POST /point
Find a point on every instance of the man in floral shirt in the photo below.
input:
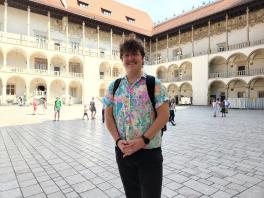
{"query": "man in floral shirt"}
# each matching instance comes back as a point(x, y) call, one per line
point(131, 120)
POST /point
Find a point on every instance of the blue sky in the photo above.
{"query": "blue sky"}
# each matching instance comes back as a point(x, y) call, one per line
point(160, 9)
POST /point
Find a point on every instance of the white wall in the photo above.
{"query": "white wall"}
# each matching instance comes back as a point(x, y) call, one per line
point(16, 21)
point(200, 79)
point(256, 32)
point(38, 22)
point(1, 17)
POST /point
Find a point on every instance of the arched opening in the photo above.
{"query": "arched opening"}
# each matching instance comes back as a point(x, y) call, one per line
point(105, 71)
point(217, 89)
point(185, 93)
point(217, 67)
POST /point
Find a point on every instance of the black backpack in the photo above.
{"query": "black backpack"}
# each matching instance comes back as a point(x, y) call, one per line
point(150, 82)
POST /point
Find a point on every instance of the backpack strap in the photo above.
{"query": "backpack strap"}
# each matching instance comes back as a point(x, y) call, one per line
point(150, 82)
point(116, 84)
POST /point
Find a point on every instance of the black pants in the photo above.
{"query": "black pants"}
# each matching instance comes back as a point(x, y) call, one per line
point(103, 115)
point(172, 115)
point(141, 173)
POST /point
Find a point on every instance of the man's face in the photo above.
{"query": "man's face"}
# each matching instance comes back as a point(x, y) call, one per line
point(132, 61)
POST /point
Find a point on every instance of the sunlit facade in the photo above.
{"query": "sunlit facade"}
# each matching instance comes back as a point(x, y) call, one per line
point(47, 50)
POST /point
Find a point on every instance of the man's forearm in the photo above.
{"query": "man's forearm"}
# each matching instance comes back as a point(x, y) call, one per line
point(160, 121)
point(110, 124)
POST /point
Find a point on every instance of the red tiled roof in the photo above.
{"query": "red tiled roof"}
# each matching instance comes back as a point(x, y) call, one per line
point(197, 14)
point(143, 23)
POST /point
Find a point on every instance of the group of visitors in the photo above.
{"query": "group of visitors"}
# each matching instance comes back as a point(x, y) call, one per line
point(92, 108)
point(220, 106)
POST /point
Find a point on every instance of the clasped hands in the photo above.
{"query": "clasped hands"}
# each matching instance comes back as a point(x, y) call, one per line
point(128, 147)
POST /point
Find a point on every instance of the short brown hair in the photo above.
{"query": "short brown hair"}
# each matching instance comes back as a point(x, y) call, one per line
point(132, 45)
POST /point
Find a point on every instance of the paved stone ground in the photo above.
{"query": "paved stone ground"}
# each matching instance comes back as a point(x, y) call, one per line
point(203, 156)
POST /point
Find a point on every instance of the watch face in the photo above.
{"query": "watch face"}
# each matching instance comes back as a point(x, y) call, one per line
point(146, 140)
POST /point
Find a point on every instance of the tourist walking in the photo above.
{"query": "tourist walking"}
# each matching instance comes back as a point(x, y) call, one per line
point(214, 105)
point(92, 108)
point(57, 108)
point(172, 106)
point(35, 106)
point(136, 131)
point(85, 112)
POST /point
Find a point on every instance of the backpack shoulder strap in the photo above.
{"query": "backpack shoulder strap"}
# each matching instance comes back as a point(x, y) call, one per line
point(116, 84)
point(150, 82)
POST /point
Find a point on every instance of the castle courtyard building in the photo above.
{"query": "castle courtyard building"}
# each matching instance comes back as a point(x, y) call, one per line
point(70, 48)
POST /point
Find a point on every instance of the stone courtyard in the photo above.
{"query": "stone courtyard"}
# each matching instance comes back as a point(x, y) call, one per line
point(203, 156)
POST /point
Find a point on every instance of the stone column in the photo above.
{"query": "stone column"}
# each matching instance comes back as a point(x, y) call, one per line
point(67, 32)
point(156, 50)
point(226, 47)
point(28, 22)
point(248, 42)
point(28, 63)
point(49, 28)
point(167, 47)
point(111, 43)
point(192, 42)
point(4, 60)
point(5, 17)
point(209, 37)
point(179, 38)
point(4, 92)
point(98, 40)
point(83, 34)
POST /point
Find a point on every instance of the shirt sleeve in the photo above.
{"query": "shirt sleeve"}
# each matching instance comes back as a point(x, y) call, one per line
point(160, 94)
point(108, 98)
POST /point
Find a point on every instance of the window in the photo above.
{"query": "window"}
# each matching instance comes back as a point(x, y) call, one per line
point(241, 94)
point(130, 20)
point(41, 63)
point(115, 72)
point(82, 4)
point(177, 52)
point(75, 45)
point(241, 70)
point(221, 47)
point(75, 67)
point(10, 89)
point(106, 12)
point(101, 75)
point(261, 94)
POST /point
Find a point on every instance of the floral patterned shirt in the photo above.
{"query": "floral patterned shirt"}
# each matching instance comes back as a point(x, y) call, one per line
point(132, 108)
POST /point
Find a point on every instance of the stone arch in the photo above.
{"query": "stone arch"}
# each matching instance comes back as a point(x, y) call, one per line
point(237, 65)
point(38, 88)
point(256, 62)
point(57, 89)
point(105, 70)
point(117, 70)
point(217, 89)
point(102, 90)
point(38, 61)
point(186, 70)
point(185, 91)
point(237, 88)
point(75, 92)
point(16, 58)
point(172, 91)
point(218, 65)
point(161, 72)
point(58, 64)
point(15, 87)
point(256, 88)
point(173, 72)
point(75, 65)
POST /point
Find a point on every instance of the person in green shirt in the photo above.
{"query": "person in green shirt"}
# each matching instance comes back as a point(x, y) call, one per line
point(57, 107)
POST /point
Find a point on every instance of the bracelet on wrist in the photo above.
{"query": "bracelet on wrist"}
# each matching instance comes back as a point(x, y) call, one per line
point(118, 141)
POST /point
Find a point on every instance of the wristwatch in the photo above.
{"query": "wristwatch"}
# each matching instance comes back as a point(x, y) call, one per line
point(145, 139)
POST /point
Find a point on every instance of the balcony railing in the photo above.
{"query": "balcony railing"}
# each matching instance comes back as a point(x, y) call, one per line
point(251, 72)
point(204, 52)
point(176, 79)
point(17, 39)
point(40, 72)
